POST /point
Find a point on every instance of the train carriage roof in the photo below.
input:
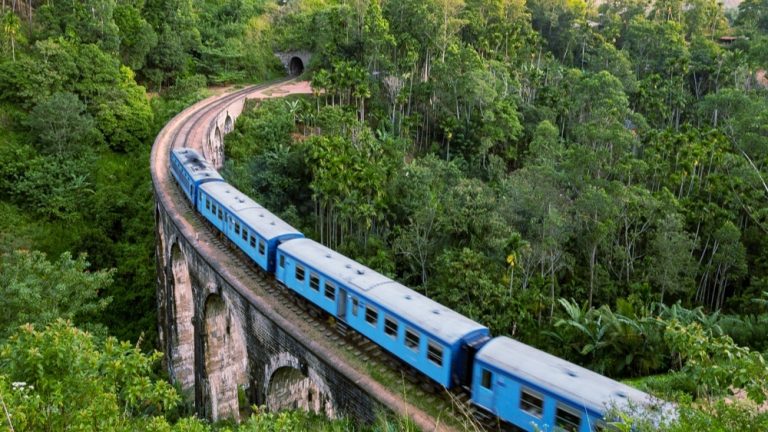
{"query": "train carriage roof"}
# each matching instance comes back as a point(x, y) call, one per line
point(571, 382)
point(196, 165)
point(428, 315)
point(254, 216)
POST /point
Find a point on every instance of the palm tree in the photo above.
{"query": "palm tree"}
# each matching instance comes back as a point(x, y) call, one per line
point(11, 25)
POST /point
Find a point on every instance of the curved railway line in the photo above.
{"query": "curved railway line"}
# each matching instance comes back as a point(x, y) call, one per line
point(353, 356)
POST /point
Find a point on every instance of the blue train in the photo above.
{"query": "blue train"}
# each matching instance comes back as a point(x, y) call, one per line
point(516, 385)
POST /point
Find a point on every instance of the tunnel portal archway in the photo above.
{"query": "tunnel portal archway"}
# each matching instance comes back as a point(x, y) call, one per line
point(296, 66)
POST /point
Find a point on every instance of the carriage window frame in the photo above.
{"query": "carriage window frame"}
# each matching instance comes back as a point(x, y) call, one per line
point(252, 242)
point(314, 281)
point(567, 419)
point(391, 326)
point(355, 305)
point(371, 315)
point(282, 261)
point(532, 402)
point(300, 274)
point(435, 353)
point(330, 291)
point(412, 339)
point(207, 204)
point(237, 227)
point(263, 248)
point(486, 378)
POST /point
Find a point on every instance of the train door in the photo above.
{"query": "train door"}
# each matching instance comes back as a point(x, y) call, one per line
point(341, 305)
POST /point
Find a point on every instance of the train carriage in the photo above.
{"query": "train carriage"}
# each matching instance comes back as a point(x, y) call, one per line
point(534, 390)
point(421, 332)
point(251, 227)
point(191, 170)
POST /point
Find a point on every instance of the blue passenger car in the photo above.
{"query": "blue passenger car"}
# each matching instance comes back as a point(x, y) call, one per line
point(534, 390)
point(423, 333)
point(251, 227)
point(191, 170)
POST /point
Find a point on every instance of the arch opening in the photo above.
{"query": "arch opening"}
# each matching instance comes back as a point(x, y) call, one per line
point(289, 388)
point(295, 66)
point(183, 345)
point(228, 124)
point(225, 360)
point(217, 148)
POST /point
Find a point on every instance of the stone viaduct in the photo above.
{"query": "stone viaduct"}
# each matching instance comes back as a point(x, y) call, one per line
point(229, 342)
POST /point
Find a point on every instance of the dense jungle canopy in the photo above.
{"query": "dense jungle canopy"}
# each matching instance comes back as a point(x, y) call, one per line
point(590, 178)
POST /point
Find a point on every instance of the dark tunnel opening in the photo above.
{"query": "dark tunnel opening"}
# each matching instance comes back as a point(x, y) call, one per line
point(296, 66)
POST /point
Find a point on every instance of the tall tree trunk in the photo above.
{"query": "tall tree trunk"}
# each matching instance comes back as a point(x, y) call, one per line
point(592, 261)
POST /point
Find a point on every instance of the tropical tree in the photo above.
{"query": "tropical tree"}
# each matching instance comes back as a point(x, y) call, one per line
point(39, 291)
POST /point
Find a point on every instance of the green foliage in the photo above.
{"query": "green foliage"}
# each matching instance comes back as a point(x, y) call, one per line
point(38, 291)
point(62, 127)
point(61, 378)
point(462, 279)
point(715, 363)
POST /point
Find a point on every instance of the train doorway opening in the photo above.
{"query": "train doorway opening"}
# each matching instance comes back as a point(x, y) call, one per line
point(296, 66)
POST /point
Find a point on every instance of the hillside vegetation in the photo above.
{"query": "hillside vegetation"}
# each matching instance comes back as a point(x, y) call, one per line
point(589, 179)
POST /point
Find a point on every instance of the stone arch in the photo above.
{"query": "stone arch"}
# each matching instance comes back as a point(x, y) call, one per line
point(291, 384)
point(217, 152)
point(225, 359)
point(183, 344)
point(295, 66)
point(229, 124)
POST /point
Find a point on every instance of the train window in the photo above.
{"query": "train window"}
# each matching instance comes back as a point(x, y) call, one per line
point(435, 353)
point(390, 326)
point(263, 247)
point(330, 291)
point(282, 261)
point(532, 403)
point(411, 339)
point(566, 419)
point(253, 242)
point(314, 282)
point(237, 228)
point(245, 234)
point(355, 305)
point(299, 273)
point(207, 203)
point(485, 380)
point(371, 316)
point(221, 215)
point(213, 209)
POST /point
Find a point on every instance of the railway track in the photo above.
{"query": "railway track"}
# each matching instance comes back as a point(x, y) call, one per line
point(448, 410)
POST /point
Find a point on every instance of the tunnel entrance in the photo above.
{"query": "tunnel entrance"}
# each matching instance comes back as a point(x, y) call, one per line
point(296, 66)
